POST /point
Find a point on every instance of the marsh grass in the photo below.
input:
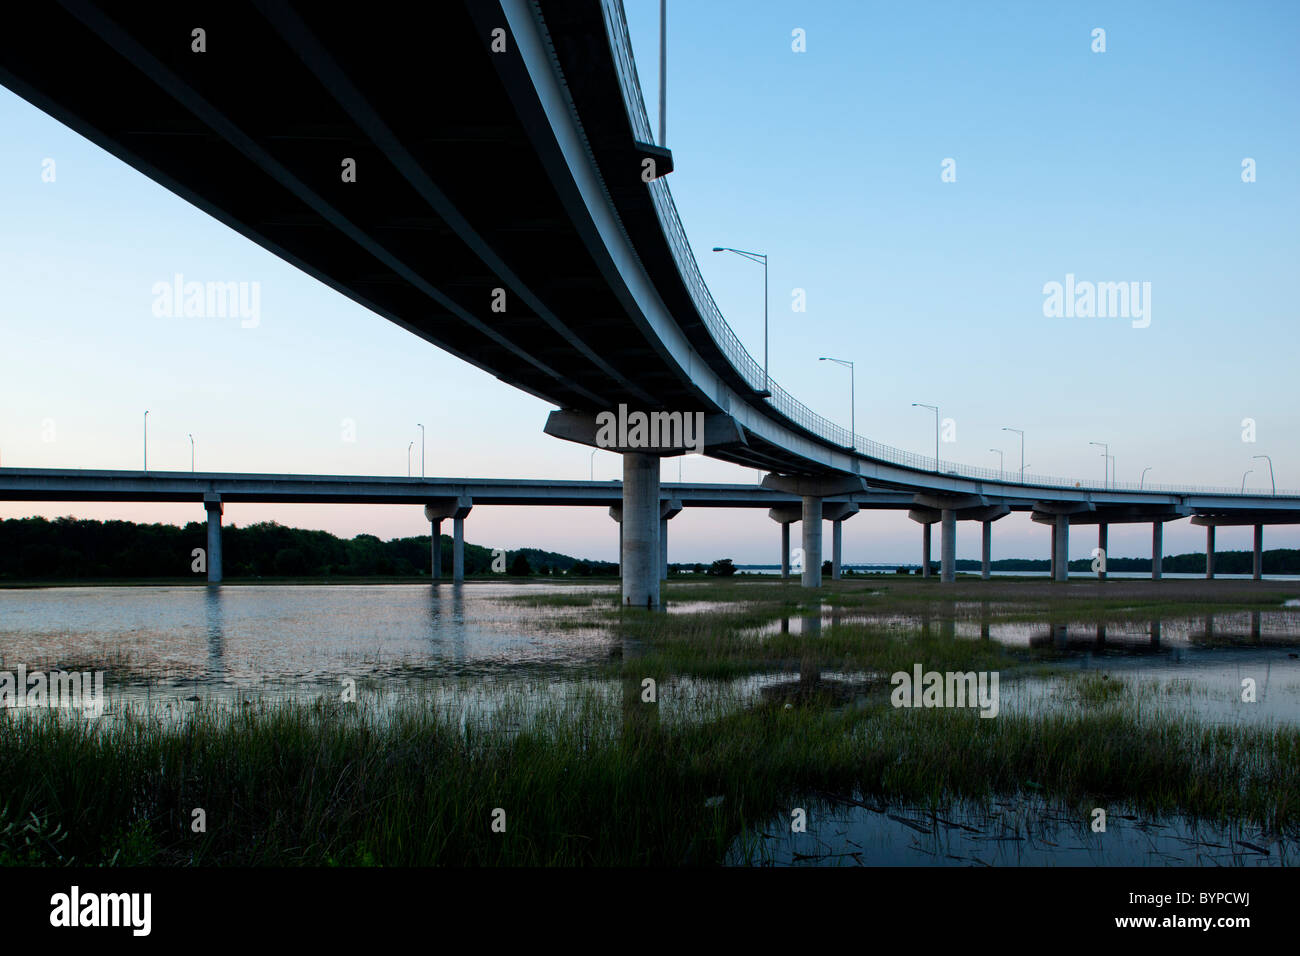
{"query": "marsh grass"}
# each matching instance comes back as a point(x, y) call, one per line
point(596, 780)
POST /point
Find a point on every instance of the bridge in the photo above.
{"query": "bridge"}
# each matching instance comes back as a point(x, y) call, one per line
point(453, 498)
point(504, 199)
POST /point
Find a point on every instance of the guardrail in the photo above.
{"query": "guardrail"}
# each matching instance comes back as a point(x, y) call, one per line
point(749, 368)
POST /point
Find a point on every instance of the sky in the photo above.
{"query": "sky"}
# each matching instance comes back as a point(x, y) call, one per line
point(1122, 165)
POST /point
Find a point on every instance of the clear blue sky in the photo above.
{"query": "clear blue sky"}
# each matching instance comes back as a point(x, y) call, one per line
point(1115, 166)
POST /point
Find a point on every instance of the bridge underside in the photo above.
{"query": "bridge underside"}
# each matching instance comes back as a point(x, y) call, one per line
point(429, 114)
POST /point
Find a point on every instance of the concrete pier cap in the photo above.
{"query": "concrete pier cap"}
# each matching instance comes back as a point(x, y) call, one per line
point(588, 428)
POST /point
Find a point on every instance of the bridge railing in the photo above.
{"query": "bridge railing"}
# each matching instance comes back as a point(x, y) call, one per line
point(752, 371)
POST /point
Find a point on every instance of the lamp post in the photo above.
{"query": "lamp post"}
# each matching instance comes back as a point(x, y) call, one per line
point(1105, 453)
point(409, 446)
point(663, 73)
point(593, 464)
point(1270, 471)
point(1243, 480)
point(756, 257)
point(1001, 460)
point(421, 427)
point(1023, 466)
point(146, 441)
point(191, 453)
point(935, 409)
point(1144, 476)
point(853, 426)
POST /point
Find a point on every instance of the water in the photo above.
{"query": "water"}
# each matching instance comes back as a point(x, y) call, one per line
point(1026, 831)
point(299, 639)
point(479, 645)
point(179, 642)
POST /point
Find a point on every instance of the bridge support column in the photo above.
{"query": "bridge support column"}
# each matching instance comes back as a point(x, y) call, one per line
point(837, 512)
point(616, 512)
point(1103, 537)
point(1209, 552)
point(812, 542)
point(1061, 548)
point(1053, 552)
point(640, 552)
point(667, 511)
point(948, 546)
point(785, 551)
point(925, 550)
point(1257, 561)
point(837, 548)
point(212, 503)
point(663, 549)
point(1157, 549)
point(435, 512)
point(811, 491)
point(785, 516)
point(458, 550)
point(986, 551)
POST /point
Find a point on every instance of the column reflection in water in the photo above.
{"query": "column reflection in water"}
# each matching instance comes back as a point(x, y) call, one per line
point(809, 671)
point(640, 699)
point(215, 617)
point(447, 638)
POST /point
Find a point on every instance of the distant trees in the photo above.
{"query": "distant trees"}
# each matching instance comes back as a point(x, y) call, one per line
point(69, 549)
point(722, 568)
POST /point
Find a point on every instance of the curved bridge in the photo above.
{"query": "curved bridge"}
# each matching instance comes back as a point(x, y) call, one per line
point(476, 172)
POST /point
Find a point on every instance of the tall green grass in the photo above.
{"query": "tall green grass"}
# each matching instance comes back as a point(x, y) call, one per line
point(598, 780)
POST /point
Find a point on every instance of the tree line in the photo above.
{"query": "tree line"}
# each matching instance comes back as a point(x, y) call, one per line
point(71, 548)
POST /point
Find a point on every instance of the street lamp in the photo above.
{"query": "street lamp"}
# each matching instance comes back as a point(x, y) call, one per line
point(1105, 453)
point(191, 453)
point(1144, 476)
point(593, 463)
point(146, 441)
point(421, 427)
point(1270, 471)
point(1001, 460)
point(756, 257)
point(1023, 466)
point(409, 446)
point(853, 427)
point(1243, 480)
point(935, 409)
